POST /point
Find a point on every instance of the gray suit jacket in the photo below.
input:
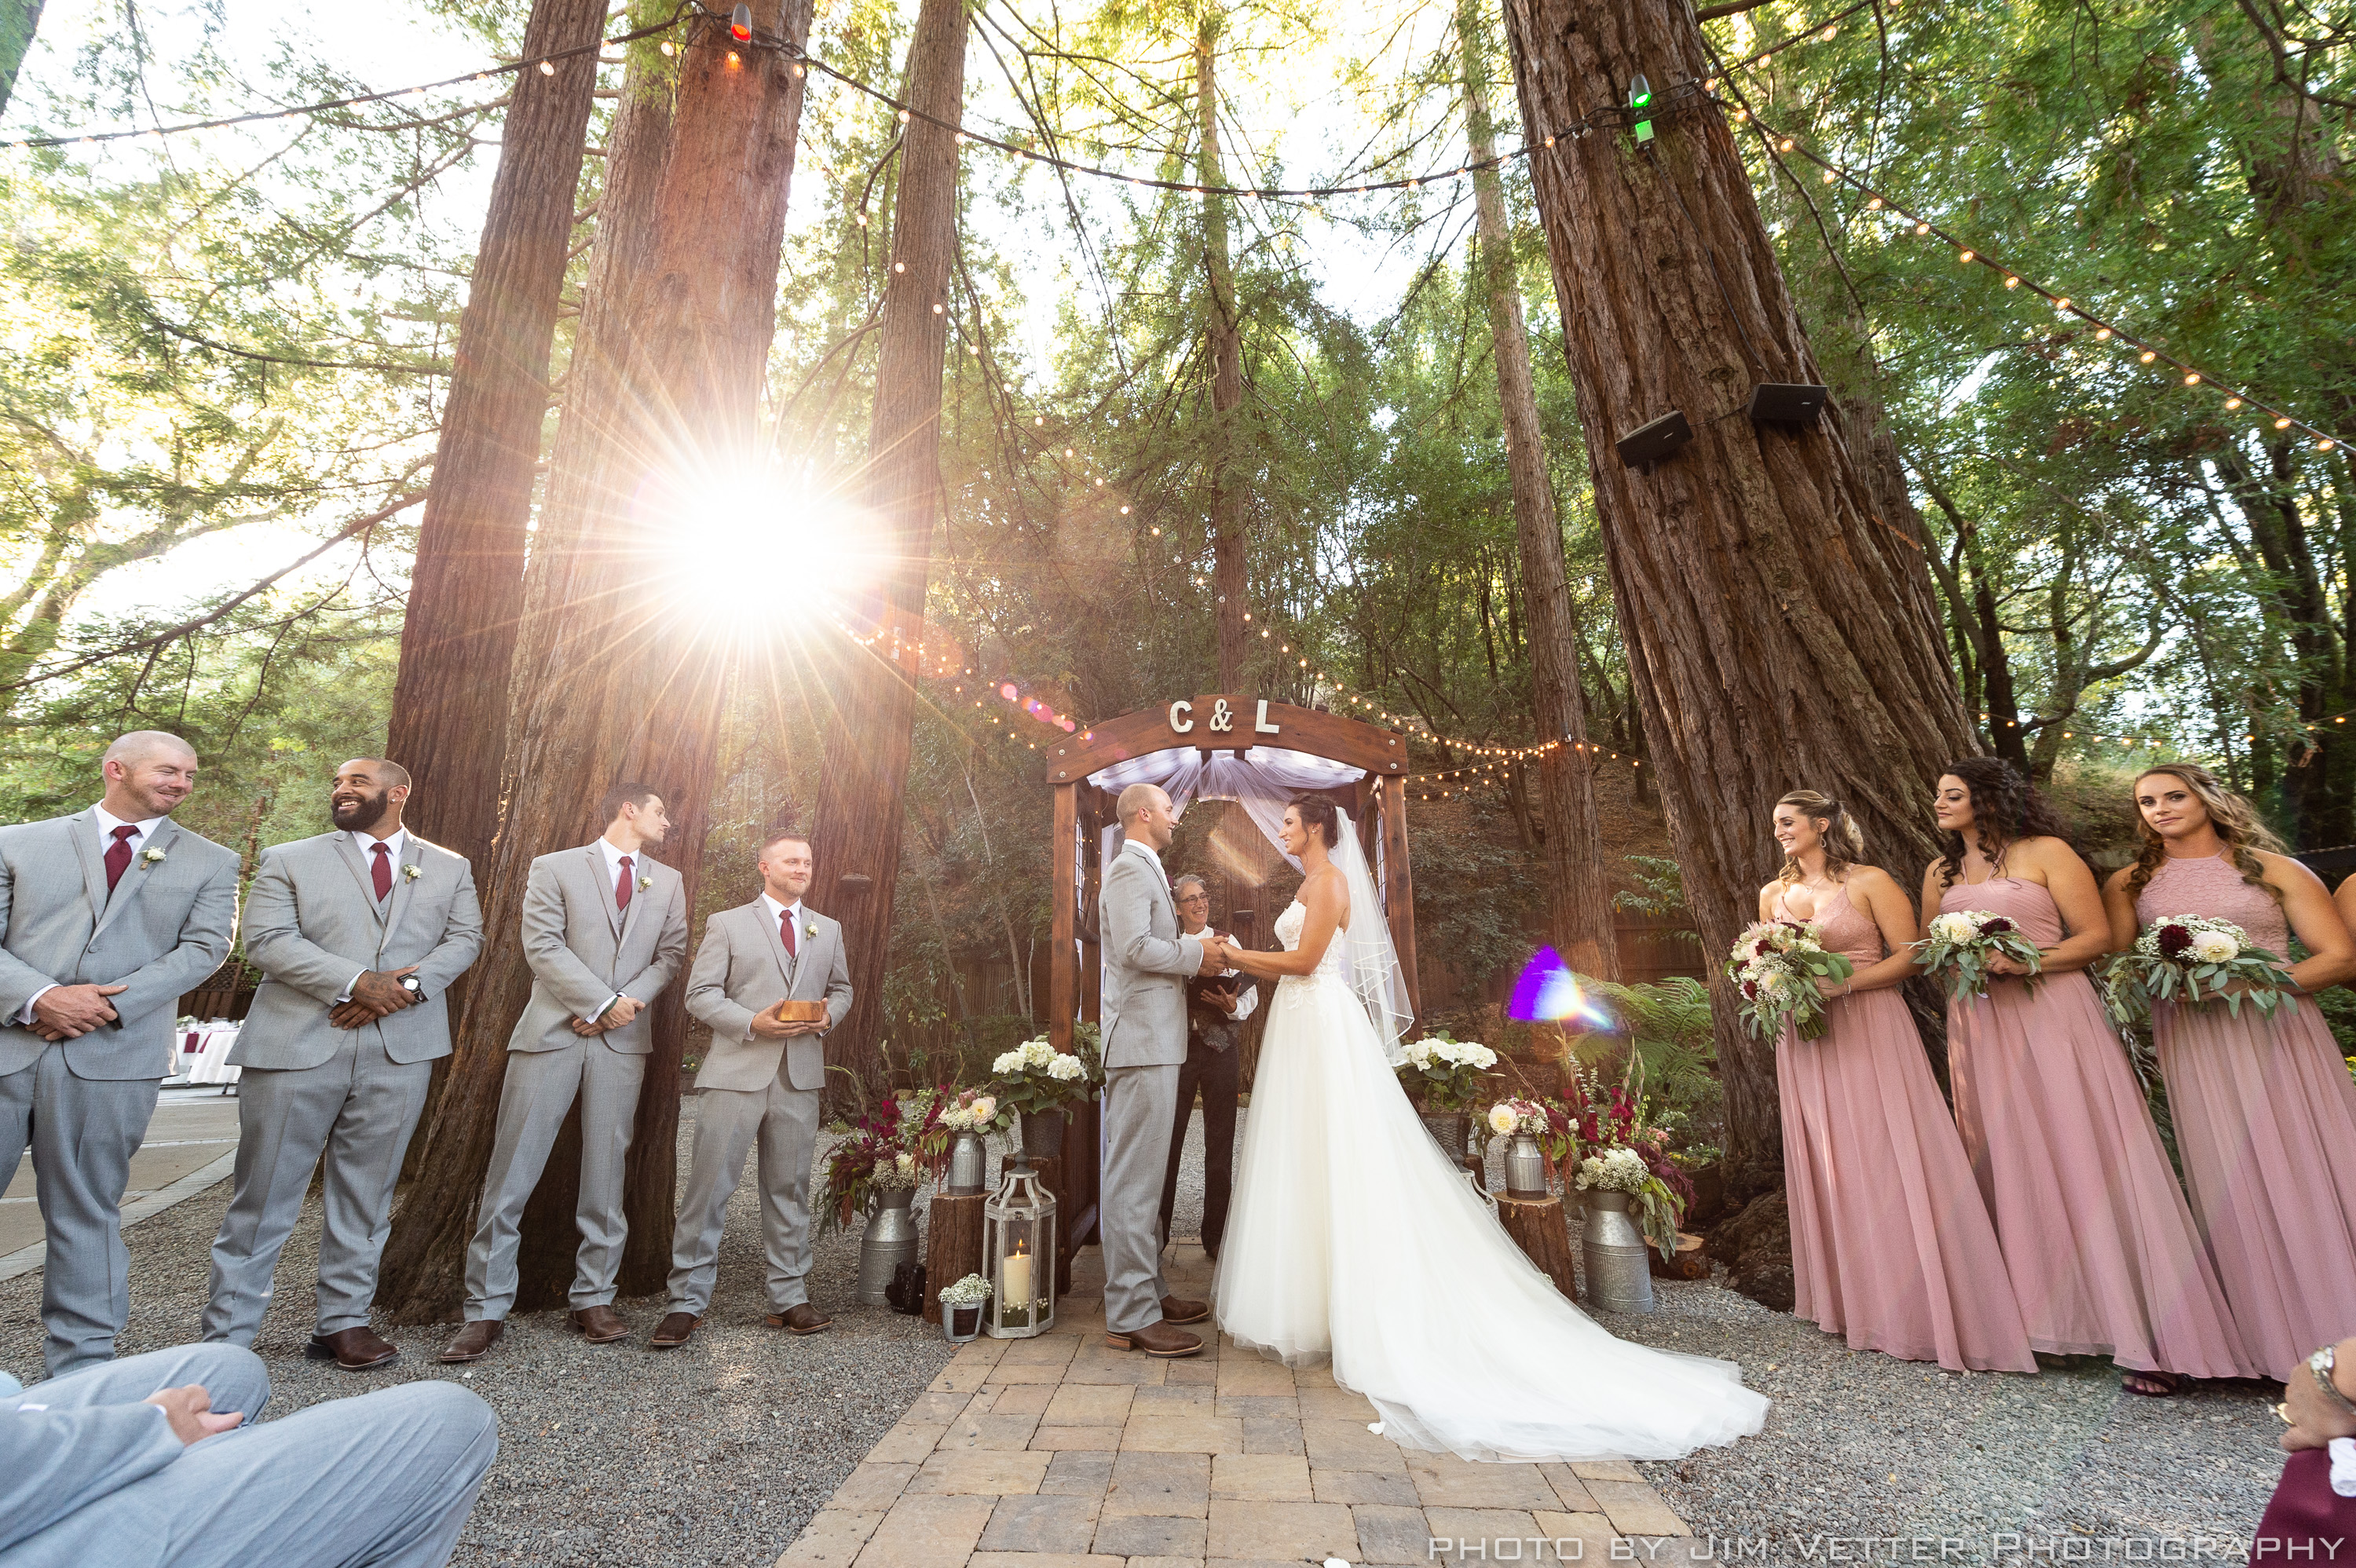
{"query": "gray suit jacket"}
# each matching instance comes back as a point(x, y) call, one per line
point(312, 923)
point(740, 969)
point(168, 925)
point(1145, 965)
point(583, 950)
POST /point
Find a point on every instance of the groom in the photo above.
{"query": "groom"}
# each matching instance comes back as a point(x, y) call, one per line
point(1146, 962)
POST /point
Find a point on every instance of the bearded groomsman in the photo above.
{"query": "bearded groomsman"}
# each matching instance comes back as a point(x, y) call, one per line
point(604, 929)
point(359, 934)
point(759, 1082)
point(106, 916)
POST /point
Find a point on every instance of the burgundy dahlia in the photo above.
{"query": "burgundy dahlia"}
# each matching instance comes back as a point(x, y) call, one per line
point(2175, 942)
point(1995, 927)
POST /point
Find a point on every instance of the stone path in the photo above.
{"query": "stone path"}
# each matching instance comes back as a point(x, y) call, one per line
point(1060, 1452)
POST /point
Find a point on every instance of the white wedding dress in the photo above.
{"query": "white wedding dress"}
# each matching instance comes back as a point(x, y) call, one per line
point(1353, 1241)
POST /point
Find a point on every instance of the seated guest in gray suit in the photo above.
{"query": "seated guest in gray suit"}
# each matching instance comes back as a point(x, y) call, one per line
point(155, 1460)
point(357, 933)
point(604, 930)
point(760, 1083)
point(106, 916)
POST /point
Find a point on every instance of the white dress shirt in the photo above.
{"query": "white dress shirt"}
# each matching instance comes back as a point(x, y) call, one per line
point(365, 843)
point(107, 823)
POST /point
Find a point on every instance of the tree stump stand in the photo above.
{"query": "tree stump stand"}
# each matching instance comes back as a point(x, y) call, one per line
point(1691, 1263)
point(952, 1247)
point(1538, 1227)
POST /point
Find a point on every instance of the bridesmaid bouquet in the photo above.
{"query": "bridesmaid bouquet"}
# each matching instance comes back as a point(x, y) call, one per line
point(2194, 958)
point(1775, 964)
point(1963, 941)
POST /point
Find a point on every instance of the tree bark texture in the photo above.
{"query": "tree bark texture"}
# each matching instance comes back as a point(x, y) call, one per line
point(1538, 1228)
point(465, 592)
point(1778, 635)
point(619, 672)
point(952, 1245)
point(1579, 890)
point(1223, 342)
point(19, 20)
point(868, 728)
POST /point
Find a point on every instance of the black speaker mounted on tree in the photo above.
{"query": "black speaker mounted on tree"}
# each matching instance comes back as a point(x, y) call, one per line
point(1785, 402)
point(1642, 448)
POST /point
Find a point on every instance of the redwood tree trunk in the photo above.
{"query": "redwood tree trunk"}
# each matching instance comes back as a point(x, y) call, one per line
point(856, 838)
point(618, 675)
point(1579, 890)
point(1224, 338)
point(1778, 636)
point(465, 593)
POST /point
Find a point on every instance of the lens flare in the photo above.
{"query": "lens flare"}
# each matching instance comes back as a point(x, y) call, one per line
point(1548, 992)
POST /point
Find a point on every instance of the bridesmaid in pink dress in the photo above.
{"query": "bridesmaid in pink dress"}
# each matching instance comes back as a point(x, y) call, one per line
point(2259, 1103)
point(2102, 1252)
point(1891, 1244)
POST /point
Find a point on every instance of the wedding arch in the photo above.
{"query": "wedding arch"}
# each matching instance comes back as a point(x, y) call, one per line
point(1257, 751)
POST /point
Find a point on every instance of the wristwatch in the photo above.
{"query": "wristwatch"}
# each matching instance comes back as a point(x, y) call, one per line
point(409, 982)
point(2321, 1364)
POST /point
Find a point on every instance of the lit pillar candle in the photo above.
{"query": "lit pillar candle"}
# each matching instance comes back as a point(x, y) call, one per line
point(1015, 1278)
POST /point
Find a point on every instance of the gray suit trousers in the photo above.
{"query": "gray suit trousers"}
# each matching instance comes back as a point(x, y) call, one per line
point(83, 1132)
point(728, 1121)
point(358, 1107)
point(1140, 1105)
point(385, 1480)
point(541, 1087)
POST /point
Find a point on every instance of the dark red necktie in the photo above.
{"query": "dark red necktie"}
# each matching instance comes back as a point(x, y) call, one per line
point(118, 855)
point(786, 933)
point(622, 886)
point(383, 871)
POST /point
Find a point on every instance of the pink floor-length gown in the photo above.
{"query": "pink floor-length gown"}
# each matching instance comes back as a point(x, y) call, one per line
point(2259, 1105)
point(1891, 1246)
point(2102, 1252)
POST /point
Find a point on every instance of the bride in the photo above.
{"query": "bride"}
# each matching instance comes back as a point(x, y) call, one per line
point(1353, 1239)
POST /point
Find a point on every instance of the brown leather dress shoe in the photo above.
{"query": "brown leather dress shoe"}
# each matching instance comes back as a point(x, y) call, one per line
point(598, 1325)
point(802, 1318)
point(356, 1349)
point(1178, 1309)
point(1155, 1340)
point(474, 1340)
point(672, 1331)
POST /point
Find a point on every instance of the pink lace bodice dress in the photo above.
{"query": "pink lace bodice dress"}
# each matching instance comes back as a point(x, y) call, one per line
point(1891, 1243)
point(2102, 1252)
point(2259, 1106)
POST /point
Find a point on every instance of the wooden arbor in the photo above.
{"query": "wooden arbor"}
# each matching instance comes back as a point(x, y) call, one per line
point(1365, 767)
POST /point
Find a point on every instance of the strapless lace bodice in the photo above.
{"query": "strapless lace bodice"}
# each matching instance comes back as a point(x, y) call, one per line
point(1287, 931)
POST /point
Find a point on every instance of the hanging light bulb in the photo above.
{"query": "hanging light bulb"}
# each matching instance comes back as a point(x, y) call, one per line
point(740, 24)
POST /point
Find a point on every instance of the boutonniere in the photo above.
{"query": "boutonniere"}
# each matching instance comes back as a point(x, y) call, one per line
point(152, 858)
point(810, 929)
point(645, 884)
point(411, 873)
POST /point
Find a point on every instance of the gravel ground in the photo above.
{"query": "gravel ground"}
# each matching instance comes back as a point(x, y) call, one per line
point(718, 1454)
point(709, 1457)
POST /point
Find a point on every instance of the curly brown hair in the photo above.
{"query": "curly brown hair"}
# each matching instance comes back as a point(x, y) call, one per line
point(1844, 844)
point(2005, 809)
point(2234, 818)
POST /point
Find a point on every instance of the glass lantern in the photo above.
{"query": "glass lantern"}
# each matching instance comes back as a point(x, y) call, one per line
point(1018, 1247)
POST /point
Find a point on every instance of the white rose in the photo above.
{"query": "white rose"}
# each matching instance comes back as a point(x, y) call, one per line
point(981, 1110)
point(1955, 927)
point(2216, 948)
point(1066, 1067)
point(1503, 1119)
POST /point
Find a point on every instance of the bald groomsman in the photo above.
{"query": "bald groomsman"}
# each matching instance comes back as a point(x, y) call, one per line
point(106, 916)
point(759, 1085)
point(357, 933)
point(604, 929)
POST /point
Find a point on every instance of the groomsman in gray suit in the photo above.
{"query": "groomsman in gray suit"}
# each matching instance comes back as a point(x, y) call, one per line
point(759, 1083)
point(106, 916)
point(357, 933)
point(1146, 961)
point(604, 929)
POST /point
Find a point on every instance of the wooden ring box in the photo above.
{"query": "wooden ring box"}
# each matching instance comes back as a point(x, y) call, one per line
point(793, 1012)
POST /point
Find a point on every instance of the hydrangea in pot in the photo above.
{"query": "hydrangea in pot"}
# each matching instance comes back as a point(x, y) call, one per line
point(1036, 1082)
point(1446, 1078)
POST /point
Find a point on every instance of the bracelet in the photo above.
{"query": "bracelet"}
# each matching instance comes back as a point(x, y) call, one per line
point(2321, 1364)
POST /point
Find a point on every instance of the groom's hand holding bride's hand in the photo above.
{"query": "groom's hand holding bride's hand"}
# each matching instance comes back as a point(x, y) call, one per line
point(1216, 956)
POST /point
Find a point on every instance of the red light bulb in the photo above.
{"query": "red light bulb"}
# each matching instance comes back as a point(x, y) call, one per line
point(740, 24)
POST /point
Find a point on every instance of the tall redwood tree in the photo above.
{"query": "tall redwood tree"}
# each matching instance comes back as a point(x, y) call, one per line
point(1779, 633)
point(868, 728)
point(465, 593)
point(619, 672)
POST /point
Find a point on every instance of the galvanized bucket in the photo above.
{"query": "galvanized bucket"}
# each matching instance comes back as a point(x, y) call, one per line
point(1619, 1275)
point(1526, 1167)
point(889, 1240)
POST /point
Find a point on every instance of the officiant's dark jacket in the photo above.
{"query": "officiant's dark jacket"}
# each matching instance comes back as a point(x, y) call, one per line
point(1213, 1062)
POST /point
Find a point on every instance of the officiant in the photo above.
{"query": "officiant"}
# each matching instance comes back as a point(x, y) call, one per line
point(1216, 1006)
